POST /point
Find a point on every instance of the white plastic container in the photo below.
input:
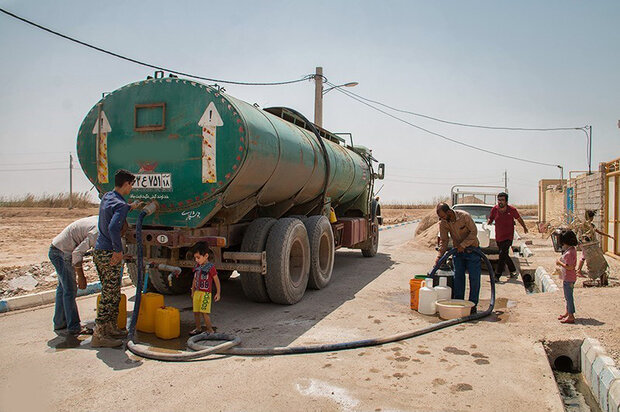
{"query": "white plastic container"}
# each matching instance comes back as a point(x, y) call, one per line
point(428, 297)
point(443, 290)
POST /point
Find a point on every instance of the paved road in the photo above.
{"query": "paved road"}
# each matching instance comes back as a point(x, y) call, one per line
point(468, 367)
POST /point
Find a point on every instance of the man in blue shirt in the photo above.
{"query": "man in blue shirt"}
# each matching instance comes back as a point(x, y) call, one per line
point(108, 258)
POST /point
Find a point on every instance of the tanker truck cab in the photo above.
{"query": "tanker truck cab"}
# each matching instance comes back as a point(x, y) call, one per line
point(271, 194)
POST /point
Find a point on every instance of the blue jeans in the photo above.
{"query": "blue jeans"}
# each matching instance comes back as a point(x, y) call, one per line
point(568, 295)
point(66, 312)
point(470, 262)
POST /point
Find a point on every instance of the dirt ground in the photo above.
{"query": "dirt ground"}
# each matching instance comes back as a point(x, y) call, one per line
point(392, 216)
point(25, 241)
point(595, 306)
point(28, 232)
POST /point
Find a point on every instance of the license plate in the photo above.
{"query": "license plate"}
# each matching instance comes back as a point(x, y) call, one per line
point(149, 181)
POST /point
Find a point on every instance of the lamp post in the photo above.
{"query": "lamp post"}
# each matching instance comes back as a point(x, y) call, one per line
point(319, 92)
point(588, 131)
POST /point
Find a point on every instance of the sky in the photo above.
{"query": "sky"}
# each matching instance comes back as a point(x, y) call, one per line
point(525, 64)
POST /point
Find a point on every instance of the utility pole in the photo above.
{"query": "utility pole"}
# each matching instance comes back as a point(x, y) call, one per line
point(318, 97)
point(590, 152)
point(70, 181)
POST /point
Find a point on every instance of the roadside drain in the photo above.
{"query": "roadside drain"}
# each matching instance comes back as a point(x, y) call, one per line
point(564, 358)
point(529, 284)
point(575, 392)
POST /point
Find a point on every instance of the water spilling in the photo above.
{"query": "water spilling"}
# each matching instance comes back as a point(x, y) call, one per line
point(575, 392)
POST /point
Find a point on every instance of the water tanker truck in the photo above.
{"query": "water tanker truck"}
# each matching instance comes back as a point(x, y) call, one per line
point(272, 194)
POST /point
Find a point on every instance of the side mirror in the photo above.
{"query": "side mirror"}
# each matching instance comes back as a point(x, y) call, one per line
point(380, 171)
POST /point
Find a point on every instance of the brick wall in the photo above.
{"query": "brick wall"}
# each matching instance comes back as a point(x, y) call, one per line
point(589, 194)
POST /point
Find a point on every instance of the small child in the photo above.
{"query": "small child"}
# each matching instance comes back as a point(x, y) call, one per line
point(202, 286)
point(568, 262)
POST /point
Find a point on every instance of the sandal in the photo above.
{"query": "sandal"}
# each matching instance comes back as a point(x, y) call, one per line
point(567, 321)
point(195, 332)
point(562, 317)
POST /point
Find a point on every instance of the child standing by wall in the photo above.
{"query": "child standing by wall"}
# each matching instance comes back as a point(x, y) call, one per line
point(568, 262)
point(202, 287)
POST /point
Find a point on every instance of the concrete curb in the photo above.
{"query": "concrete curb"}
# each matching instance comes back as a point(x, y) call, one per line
point(601, 375)
point(544, 281)
point(399, 224)
point(48, 296)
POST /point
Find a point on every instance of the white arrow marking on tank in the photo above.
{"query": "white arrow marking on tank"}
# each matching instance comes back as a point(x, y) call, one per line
point(209, 122)
point(102, 126)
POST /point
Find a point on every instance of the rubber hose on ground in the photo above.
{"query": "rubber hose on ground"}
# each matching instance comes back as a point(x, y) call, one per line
point(145, 351)
point(192, 343)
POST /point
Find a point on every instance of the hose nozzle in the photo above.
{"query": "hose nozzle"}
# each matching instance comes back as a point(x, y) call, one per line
point(150, 207)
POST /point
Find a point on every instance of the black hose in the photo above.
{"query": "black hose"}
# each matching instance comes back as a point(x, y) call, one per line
point(229, 347)
point(139, 263)
point(192, 343)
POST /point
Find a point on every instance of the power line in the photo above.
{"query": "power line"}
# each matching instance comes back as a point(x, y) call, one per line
point(152, 66)
point(347, 93)
point(523, 129)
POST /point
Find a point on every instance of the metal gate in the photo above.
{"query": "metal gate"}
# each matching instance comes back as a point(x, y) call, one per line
point(612, 207)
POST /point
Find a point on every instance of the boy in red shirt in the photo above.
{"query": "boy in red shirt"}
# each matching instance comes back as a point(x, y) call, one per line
point(504, 216)
point(202, 286)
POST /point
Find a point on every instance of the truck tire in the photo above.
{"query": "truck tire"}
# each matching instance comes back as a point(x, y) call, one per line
point(254, 240)
point(373, 243)
point(321, 239)
point(132, 269)
point(180, 284)
point(288, 261)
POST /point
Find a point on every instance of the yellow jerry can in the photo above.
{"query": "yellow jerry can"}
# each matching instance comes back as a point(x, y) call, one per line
point(149, 304)
point(167, 323)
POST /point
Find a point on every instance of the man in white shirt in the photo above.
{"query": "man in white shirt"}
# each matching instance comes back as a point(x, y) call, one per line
point(66, 254)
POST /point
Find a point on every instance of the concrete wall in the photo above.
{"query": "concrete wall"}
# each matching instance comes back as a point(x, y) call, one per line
point(589, 194)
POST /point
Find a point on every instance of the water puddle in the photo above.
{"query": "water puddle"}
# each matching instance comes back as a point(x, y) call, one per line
point(575, 392)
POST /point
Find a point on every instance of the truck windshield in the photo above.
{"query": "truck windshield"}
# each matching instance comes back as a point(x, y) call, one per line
point(480, 214)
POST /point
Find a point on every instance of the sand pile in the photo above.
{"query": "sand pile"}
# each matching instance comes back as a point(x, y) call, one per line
point(426, 232)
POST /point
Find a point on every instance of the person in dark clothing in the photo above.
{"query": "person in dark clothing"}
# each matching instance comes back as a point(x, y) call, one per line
point(108, 258)
point(504, 216)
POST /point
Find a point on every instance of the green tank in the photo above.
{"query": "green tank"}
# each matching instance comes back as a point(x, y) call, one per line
point(217, 165)
point(197, 151)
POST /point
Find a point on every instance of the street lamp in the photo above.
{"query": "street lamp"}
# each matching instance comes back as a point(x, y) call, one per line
point(350, 84)
point(588, 131)
point(319, 93)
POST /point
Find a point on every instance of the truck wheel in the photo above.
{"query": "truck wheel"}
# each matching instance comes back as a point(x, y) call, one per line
point(288, 261)
point(321, 240)
point(254, 240)
point(132, 269)
point(373, 242)
point(180, 284)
